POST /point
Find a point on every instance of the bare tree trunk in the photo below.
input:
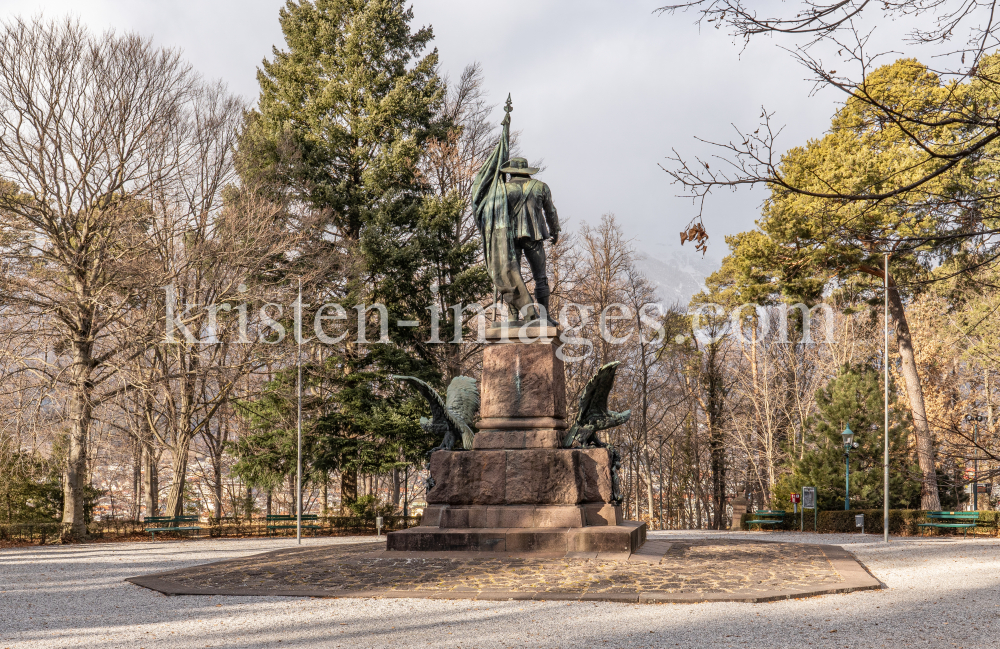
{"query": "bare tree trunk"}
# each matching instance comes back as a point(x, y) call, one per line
point(645, 416)
point(716, 442)
point(216, 447)
point(396, 487)
point(75, 482)
point(151, 480)
point(217, 472)
point(348, 489)
point(137, 454)
point(989, 400)
point(637, 468)
point(929, 499)
point(183, 433)
point(663, 524)
point(175, 498)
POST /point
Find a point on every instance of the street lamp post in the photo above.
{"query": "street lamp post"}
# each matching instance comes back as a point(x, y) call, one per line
point(885, 405)
point(975, 460)
point(849, 444)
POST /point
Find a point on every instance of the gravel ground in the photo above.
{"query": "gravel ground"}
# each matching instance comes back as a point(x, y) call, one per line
point(942, 592)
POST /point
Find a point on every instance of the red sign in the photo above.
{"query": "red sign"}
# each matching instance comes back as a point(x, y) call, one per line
point(796, 498)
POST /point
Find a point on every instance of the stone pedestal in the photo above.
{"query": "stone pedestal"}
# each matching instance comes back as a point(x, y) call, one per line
point(519, 490)
point(739, 508)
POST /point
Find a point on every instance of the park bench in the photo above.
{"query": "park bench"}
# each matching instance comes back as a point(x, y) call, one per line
point(952, 520)
point(170, 524)
point(288, 521)
point(768, 517)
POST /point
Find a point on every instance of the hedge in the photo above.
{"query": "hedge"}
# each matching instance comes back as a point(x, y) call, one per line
point(45, 531)
point(902, 522)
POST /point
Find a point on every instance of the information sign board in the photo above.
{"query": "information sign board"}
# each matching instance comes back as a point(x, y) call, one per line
point(808, 502)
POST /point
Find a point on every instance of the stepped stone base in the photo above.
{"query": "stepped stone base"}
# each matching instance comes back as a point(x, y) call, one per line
point(624, 539)
point(589, 514)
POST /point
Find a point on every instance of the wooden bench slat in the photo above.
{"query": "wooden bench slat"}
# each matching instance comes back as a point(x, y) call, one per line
point(946, 524)
point(952, 520)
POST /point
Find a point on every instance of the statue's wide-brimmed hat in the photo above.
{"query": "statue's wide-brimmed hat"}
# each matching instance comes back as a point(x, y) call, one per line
point(518, 166)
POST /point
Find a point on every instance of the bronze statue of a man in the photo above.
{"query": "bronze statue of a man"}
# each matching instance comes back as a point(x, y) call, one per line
point(534, 219)
point(515, 218)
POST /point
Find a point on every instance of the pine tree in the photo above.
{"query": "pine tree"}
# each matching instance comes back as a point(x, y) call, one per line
point(344, 116)
point(344, 110)
point(854, 397)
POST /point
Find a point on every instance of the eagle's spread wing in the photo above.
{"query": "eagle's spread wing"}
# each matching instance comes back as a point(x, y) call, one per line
point(443, 421)
point(594, 414)
point(594, 401)
point(463, 398)
point(463, 403)
point(437, 404)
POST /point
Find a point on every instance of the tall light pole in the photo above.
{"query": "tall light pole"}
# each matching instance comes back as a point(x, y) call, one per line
point(885, 407)
point(298, 465)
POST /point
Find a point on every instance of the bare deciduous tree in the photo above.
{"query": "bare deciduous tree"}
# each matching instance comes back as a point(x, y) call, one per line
point(85, 124)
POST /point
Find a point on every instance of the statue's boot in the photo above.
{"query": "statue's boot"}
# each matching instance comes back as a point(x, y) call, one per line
point(542, 300)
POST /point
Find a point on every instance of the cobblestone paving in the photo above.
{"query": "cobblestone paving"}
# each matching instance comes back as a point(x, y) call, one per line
point(685, 566)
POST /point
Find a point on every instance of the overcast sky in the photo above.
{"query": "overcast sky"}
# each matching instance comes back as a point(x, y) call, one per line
point(602, 89)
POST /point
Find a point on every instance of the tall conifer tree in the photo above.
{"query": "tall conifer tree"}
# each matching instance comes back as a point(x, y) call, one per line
point(344, 115)
point(344, 110)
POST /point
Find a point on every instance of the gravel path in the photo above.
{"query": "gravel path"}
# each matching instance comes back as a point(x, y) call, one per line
point(943, 592)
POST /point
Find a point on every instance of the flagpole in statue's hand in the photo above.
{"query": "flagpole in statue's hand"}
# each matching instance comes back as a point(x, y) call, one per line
point(507, 109)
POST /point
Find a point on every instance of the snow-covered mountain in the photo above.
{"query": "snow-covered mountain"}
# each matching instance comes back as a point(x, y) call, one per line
point(676, 274)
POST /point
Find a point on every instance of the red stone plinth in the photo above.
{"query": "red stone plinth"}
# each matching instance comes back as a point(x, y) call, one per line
point(523, 396)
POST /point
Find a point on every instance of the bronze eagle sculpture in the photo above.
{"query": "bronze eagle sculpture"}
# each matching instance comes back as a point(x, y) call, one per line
point(451, 418)
point(593, 414)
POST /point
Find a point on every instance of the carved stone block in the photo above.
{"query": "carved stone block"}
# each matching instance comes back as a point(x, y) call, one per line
point(541, 476)
point(468, 477)
point(544, 476)
point(519, 439)
point(523, 381)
